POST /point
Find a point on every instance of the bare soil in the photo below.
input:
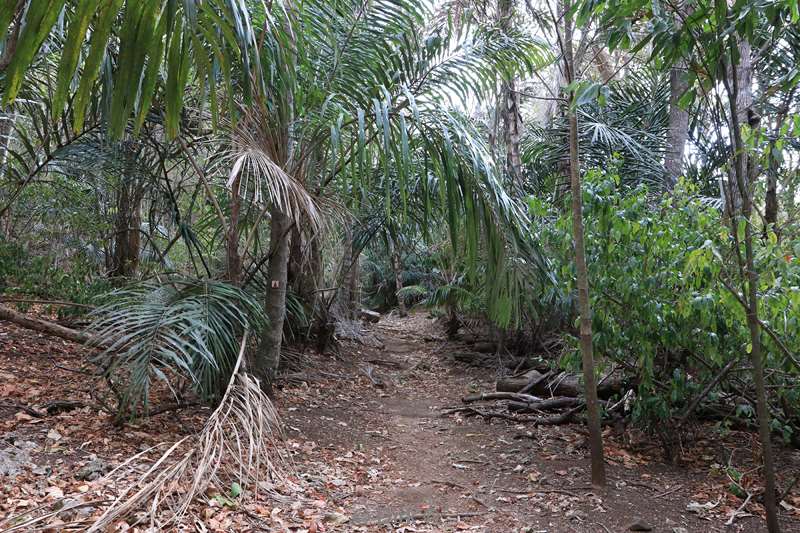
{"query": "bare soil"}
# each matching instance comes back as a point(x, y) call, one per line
point(384, 458)
point(400, 463)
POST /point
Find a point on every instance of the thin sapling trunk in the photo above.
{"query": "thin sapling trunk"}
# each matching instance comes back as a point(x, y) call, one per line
point(592, 408)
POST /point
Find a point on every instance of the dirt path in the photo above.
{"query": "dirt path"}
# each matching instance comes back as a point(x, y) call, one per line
point(396, 462)
point(384, 458)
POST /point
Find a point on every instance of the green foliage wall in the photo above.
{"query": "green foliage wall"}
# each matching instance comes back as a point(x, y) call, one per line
point(659, 267)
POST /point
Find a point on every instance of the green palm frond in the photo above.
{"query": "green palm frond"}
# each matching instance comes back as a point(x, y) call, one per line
point(178, 327)
point(631, 127)
point(410, 291)
point(155, 46)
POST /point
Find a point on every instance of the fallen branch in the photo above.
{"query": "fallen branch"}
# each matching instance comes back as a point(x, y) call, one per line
point(527, 398)
point(44, 326)
point(28, 410)
point(545, 405)
point(535, 420)
point(736, 513)
point(61, 303)
point(711, 384)
point(376, 380)
point(60, 406)
point(535, 382)
point(670, 491)
point(408, 517)
point(451, 484)
point(546, 491)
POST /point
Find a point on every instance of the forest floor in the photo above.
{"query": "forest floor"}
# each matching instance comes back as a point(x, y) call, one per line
point(384, 458)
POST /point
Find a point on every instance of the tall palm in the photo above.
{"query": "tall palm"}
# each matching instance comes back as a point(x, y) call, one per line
point(348, 93)
point(334, 91)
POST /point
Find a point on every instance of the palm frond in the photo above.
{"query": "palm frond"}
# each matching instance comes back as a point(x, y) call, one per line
point(178, 327)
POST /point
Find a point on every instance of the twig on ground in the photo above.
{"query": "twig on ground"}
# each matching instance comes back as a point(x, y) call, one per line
point(670, 491)
point(479, 501)
point(28, 410)
point(421, 516)
point(786, 492)
point(737, 512)
point(546, 491)
point(603, 526)
point(448, 483)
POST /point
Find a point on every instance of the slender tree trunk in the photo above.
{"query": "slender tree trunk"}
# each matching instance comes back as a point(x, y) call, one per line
point(510, 105)
point(603, 62)
point(347, 297)
point(773, 168)
point(6, 127)
point(127, 238)
point(741, 75)
point(397, 268)
point(771, 199)
point(740, 94)
point(593, 413)
point(354, 285)
point(233, 257)
point(678, 130)
point(268, 354)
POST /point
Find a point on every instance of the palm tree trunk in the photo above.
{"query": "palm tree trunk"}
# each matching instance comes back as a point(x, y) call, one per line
point(125, 260)
point(510, 105)
point(347, 297)
point(397, 269)
point(233, 257)
point(678, 130)
point(268, 355)
point(593, 413)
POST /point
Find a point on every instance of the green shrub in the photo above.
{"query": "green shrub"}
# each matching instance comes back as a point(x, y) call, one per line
point(658, 270)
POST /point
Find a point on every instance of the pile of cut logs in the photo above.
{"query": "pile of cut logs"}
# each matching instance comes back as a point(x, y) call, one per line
point(526, 396)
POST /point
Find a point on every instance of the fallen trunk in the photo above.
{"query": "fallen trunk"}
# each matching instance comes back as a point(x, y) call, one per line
point(44, 326)
point(369, 316)
point(501, 396)
point(545, 405)
point(558, 385)
point(492, 360)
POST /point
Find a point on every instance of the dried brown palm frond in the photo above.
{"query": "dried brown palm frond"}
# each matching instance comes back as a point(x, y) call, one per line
point(238, 454)
point(255, 156)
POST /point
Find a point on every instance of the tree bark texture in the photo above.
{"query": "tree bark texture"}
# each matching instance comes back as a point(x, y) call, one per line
point(268, 355)
point(678, 129)
point(510, 105)
point(127, 237)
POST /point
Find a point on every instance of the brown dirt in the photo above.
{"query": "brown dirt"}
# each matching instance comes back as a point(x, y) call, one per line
point(396, 462)
point(385, 459)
